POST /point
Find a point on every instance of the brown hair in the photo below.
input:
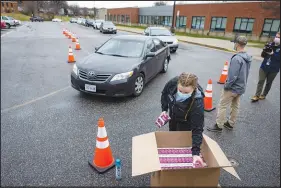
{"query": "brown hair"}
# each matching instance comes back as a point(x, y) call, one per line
point(185, 80)
point(188, 79)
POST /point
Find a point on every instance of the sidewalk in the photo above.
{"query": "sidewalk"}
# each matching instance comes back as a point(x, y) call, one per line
point(219, 44)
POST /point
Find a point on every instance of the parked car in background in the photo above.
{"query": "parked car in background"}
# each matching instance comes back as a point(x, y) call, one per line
point(121, 66)
point(108, 27)
point(89, 22)
point(16, 21)
point(9, 22)
point(3, 25)
point(56, 20)
point(36, 19)
point(165, 35)
point(79, 20)
point(97, 24)
point(83, 22)
point(73, 20)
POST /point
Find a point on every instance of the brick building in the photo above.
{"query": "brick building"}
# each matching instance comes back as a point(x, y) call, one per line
point(214, 19)
point(9, 6)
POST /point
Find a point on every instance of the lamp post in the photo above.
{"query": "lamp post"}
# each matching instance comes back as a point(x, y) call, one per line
point(173, 19)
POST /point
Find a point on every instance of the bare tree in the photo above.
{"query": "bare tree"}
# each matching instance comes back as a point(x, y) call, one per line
point(160, 3)
point(273, 6)
point(75, 9)
point(85, 11)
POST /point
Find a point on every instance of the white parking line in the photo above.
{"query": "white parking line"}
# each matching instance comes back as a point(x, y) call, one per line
point(34, 100)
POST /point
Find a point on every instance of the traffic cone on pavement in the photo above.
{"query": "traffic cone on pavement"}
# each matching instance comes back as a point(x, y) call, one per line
point(66, 33)
point(102, 159)
point(224, 74)
point(73, 38)
point(70, 56)
point(77, 47)
point(69, 35)
point(63, 31)
point(208, 99)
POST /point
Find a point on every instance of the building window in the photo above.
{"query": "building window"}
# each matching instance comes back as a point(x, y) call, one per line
point(168, 20)
point(218, 23)
point(118, 18)
point(114, 18)
point(270, 27)
point(7, 4)
point(181, 21)
point(198, 22)
point(127, 19)
point(2, 5)
point(244, 25)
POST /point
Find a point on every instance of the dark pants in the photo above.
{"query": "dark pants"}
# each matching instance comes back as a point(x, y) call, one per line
point(269, 77)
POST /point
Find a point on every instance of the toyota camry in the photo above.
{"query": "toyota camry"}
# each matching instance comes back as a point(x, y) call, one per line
point(121, 66)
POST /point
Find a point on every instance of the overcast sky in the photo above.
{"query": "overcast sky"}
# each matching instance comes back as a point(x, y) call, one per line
point(120, 4)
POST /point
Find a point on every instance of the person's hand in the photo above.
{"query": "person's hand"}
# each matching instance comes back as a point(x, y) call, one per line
point(163, 113)
point(197, 161)
point(270, 53)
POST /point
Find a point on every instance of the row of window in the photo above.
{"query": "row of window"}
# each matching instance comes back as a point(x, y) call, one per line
point(241, 25)
point(7, 4)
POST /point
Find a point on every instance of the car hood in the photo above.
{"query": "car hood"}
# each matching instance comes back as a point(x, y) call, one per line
point(166, 38)
point(107, 64)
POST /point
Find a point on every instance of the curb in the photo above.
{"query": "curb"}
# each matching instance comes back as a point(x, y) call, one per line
point(199, 44)
point(195, 43)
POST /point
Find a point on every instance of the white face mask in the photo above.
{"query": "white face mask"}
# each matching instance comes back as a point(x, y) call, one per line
point(277, 41)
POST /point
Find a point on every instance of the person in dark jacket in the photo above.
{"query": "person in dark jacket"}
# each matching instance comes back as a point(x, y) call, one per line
point(183, 97)
point(269, 68)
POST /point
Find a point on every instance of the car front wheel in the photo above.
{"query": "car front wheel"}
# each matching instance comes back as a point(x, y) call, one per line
point(8, 26)
point(165, 66)
point(139, 85)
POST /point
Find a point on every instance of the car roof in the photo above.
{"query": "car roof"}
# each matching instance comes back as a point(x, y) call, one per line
point(133, 37)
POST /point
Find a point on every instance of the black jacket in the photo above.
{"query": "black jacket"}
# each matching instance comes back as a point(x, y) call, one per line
point(180, 119)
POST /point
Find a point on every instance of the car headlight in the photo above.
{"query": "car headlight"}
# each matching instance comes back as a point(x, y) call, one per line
point(75, 69)
point(176, 41)
point(122, 76)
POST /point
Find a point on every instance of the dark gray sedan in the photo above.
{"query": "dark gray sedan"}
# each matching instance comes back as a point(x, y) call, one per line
point(121, 66)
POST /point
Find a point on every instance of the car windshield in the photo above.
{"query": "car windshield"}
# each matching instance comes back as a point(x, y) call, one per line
point(108, 24)
point(122, 48)
point(160, 32)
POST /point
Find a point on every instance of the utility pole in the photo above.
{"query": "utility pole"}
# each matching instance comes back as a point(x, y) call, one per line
point(173, 18)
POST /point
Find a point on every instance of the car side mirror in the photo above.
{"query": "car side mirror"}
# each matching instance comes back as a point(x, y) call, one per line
point(150, 54)
point(147, 34)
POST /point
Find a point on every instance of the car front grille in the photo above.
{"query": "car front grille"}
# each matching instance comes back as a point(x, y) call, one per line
point(97, 78)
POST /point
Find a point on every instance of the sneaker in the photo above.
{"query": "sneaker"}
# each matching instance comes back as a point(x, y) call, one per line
point(214, 129)
point(255, 98)
point(227, 125)
point(262, 97)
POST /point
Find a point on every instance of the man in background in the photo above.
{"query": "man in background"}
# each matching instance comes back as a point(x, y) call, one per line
point(234, 87)
point(269, 68)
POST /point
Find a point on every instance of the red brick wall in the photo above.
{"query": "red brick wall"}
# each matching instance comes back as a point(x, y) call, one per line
point(133, 13)
point(229, 10)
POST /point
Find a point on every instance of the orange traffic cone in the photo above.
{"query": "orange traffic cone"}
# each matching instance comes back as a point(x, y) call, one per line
point(73, 38)
point(224, 74)
point(208, 99)
point(77, 47)
point(69, 35)
point(66, 33)
point(63, 31)
point(70, 56)
point(102, 159)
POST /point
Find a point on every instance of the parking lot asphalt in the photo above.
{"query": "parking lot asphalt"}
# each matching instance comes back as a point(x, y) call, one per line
point(48, 129)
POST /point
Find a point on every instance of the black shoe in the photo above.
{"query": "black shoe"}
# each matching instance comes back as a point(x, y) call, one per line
point(227, 125)
point(214, 129)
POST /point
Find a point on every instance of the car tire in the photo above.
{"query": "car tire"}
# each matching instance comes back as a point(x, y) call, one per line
point(139, 82)
point(8, 26)
point(165, 66)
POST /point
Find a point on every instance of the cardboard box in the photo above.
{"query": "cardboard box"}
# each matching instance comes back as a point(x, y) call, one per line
point(145, 160)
